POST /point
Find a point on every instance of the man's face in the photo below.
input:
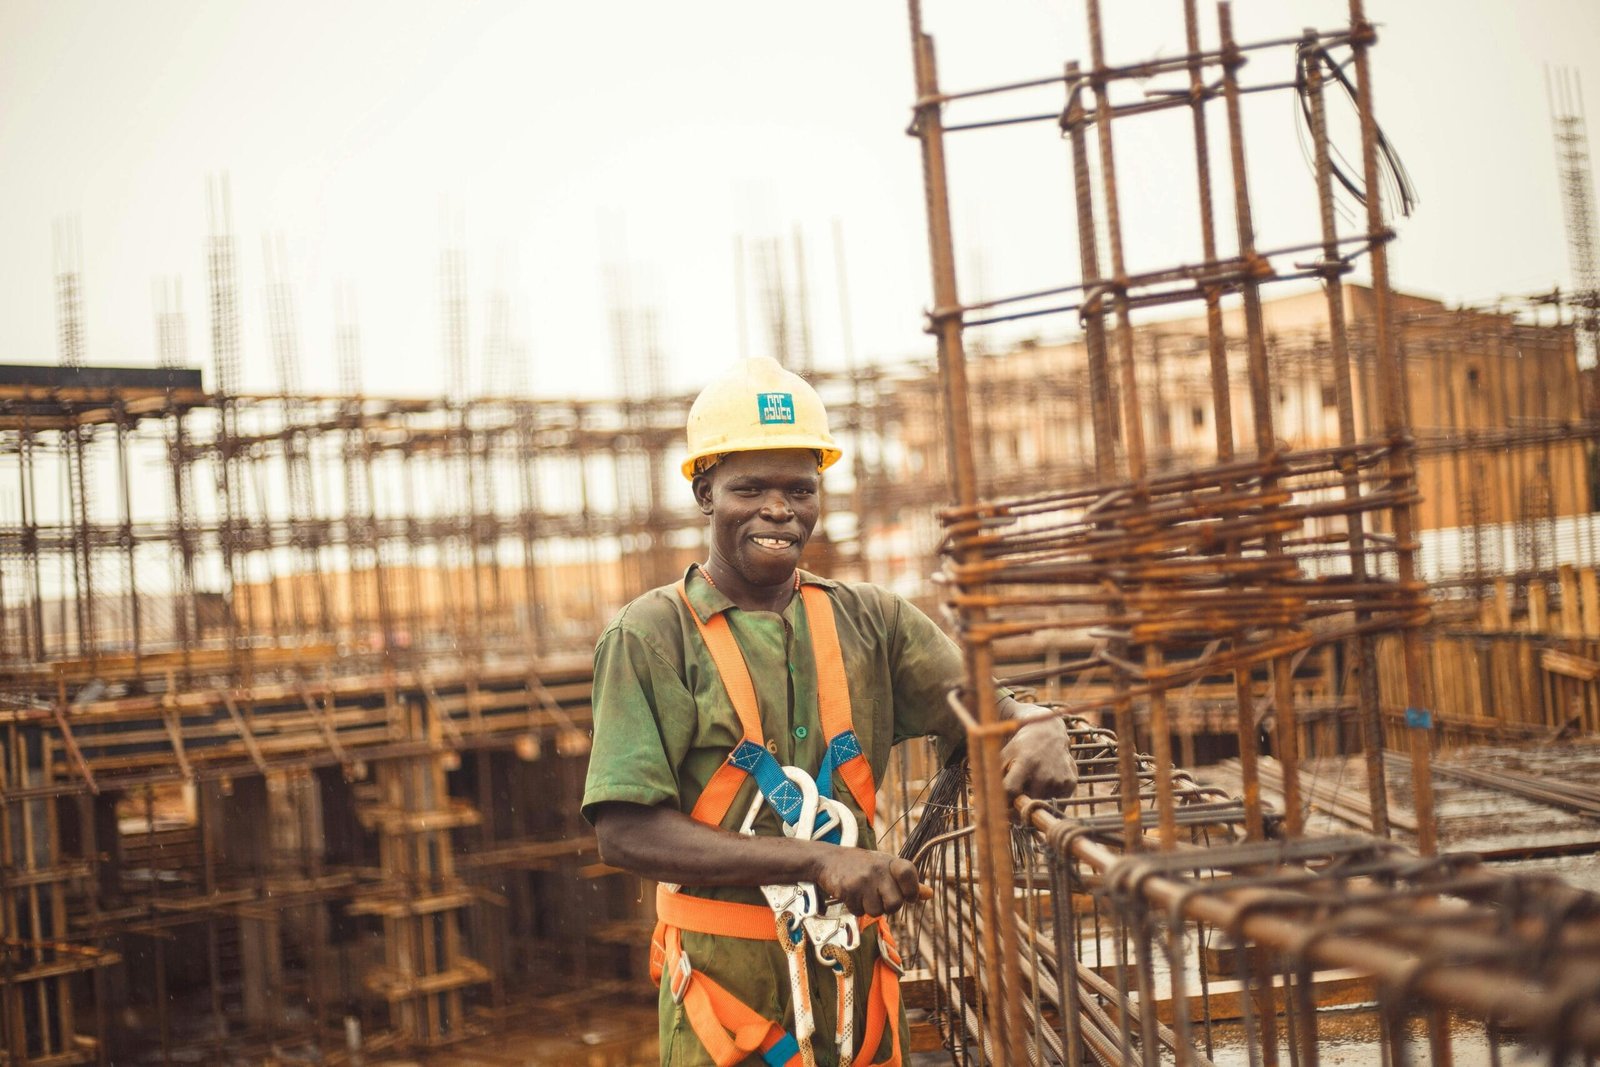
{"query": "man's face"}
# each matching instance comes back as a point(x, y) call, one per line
point(763, 507)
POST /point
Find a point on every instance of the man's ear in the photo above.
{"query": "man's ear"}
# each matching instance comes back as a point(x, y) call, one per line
point(701, 487)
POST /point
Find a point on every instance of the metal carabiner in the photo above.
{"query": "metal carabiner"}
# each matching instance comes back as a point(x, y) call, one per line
point(798, 901)
point(804, 823)
point(794, 903)
point(834, 813)
point(834, 927)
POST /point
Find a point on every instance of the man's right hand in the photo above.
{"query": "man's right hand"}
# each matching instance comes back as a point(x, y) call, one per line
point(868, 883)
point(666, 845)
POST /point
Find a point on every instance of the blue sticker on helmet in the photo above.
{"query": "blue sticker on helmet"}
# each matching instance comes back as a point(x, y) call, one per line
point(775, 407)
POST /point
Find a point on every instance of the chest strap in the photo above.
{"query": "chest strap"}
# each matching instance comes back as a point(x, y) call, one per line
point(750, 757)
point(844, 755)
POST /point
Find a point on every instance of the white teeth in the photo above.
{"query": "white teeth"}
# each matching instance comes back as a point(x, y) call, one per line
point(771, 542)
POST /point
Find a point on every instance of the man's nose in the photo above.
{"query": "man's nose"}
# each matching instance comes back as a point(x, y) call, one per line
point(776, 506)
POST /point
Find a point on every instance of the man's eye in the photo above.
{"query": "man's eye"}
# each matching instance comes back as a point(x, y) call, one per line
point(746, 490)
point(802, 492)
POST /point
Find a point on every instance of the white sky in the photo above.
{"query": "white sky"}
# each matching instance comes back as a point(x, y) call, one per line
point(355, 129)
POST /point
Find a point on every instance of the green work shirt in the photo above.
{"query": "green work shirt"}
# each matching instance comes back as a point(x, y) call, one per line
point(663, 724)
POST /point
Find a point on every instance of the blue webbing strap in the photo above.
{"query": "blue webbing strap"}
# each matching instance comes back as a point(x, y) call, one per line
point(783, 796)
point(841, 748)
point(785, 1050)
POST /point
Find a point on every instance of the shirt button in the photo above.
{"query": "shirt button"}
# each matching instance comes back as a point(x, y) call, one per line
point(772, 747)
point(800, 732)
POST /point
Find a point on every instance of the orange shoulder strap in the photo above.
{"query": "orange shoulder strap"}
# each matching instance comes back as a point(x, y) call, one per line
point(833, 687)
point(833, 702)
point(716, 799)
point(725, 653)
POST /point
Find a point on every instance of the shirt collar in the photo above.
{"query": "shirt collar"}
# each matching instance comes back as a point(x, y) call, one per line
point(707, 599)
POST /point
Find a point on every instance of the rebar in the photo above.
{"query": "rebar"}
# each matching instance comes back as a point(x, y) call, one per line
point(1175, 572)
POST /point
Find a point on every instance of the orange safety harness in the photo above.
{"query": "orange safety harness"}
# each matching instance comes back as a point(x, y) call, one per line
point(729, 1029)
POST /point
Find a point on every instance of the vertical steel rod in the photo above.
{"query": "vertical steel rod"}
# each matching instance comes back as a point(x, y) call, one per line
point(1362, 648)
point(991, 811)
point(1400, 469)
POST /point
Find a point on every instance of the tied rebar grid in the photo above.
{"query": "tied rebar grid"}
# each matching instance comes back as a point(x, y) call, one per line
point(1226, 950)
point(1235, 567)
point(1231, 948)
point(944, 937)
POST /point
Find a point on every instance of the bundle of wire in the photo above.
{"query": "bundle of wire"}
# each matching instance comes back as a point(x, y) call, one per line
point(946, 797)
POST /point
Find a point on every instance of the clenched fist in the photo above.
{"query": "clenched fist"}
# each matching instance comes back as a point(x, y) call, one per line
point(868, 883)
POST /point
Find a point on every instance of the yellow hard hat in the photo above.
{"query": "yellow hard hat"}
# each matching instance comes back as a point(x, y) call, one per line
point(758, 405)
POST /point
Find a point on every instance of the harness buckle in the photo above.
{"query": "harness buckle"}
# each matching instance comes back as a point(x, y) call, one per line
point(890, 956)
point(681, 973)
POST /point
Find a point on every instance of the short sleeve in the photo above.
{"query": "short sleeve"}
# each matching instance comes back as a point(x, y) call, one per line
point(636, 691)
point(925, 665)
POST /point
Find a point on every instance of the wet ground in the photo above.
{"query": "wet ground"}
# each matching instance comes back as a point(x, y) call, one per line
point(1350, 1038)
point(1473, 818)
point(596, 1031)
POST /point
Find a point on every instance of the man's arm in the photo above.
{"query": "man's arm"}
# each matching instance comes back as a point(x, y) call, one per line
point(666, 845)
point(926, 663)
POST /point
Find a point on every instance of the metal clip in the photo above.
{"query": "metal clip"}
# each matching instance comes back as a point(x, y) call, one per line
point(835, 927)
point(833, 814)
point(794, 903)
point(888, 954)
point(681, 973)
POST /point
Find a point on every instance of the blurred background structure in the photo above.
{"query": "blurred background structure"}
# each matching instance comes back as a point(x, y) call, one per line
point(294, 687)
point(295, 730)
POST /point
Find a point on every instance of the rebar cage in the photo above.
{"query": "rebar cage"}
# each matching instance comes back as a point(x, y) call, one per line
point(1230, 950)
point(1149, 918)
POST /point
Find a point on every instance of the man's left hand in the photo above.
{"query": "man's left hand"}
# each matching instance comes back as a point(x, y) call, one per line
point(1038, 759)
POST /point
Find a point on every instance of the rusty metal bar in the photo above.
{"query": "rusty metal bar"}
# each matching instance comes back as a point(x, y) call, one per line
point(1364, 652)
point(1392, 403)
point(1001, 1003)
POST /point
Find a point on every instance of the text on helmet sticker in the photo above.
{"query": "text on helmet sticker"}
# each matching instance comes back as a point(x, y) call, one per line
point(775, 407)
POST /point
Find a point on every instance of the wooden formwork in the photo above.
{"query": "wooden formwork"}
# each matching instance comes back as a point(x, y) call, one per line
point(1525, 666)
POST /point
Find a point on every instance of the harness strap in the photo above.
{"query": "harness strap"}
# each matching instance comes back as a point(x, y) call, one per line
point(728, 1028)
point(730, 665)
point(844, 753)
point(883, 1001)
point(725, 918)
point(713, 1012)
point(749, 757)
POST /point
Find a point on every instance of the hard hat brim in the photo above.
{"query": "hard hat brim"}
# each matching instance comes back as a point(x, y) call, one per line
point(829, 454)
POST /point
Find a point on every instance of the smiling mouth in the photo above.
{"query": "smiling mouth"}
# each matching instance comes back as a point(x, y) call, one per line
point(774, 544)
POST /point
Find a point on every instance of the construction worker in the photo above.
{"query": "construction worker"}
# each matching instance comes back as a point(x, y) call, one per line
point(752, 679)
